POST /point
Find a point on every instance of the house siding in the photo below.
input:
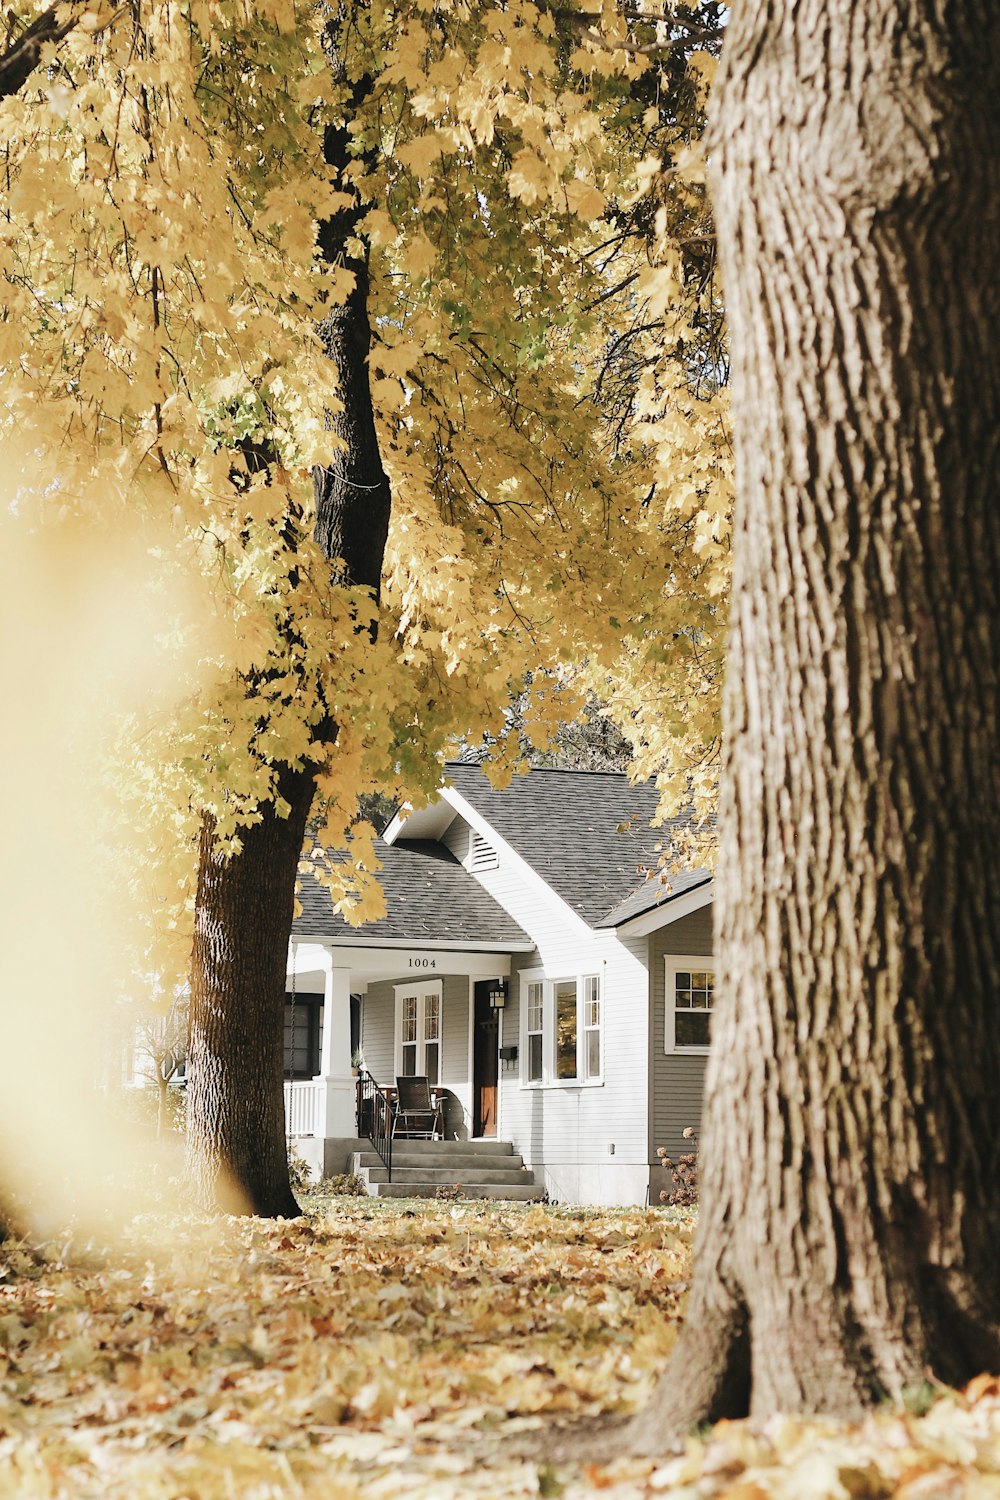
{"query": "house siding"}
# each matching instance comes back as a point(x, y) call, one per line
point(676, 1081)
point(378, 1042)
point(566, 1131)
point(456, 839)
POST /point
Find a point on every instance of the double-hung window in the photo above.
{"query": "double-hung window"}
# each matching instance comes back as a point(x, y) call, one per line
point(562, 1033)
point(688, 1006)
point(534, 1028)
point(418, 1031)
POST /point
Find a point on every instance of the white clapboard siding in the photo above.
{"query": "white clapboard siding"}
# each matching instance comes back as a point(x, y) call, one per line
point(456, 839)
point(575, 1124)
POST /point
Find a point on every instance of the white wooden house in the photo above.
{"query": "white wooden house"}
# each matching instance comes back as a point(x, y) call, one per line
point(533, 965)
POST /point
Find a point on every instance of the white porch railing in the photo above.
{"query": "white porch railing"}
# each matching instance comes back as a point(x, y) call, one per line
point(305, 1108)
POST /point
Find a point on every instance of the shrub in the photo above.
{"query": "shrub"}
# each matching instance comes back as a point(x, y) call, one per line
point(299, 1175)
point(343, 1185)
point(683, 1191)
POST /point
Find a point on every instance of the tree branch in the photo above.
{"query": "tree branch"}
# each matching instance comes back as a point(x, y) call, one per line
point(587, 23)
point(21, 59)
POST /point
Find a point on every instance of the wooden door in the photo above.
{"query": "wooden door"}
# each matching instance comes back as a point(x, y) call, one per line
point(485, 1062)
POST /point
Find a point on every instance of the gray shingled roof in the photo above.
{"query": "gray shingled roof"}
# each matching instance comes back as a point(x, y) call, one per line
point(587, 834)
point(430, 898)
point(654, 893)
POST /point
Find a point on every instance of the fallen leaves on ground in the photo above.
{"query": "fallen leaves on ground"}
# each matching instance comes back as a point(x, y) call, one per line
point(380, 1352)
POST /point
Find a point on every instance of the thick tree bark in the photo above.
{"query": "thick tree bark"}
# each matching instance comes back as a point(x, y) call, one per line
point(236, 1117)
point(851, 1147)
point(236, 1129)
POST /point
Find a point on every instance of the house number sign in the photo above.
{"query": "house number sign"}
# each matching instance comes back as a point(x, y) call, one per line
point(423, 963)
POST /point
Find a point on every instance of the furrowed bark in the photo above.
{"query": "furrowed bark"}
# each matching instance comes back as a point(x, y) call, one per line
point(851, 1146)
point(237, 1150)
point(243, 922)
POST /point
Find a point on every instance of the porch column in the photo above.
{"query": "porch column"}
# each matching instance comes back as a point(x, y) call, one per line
point(335, 1055)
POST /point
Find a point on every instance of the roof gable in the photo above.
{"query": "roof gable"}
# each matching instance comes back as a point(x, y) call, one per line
point(586, 833)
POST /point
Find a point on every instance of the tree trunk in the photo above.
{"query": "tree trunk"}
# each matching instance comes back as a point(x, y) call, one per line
point(851, 1147)
point(237, 1152)
point(161, 1104)
point(236, 1119)
point(352, 493)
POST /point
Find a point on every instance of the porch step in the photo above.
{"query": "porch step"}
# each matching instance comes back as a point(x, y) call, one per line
point(528, 1192)
point(448, 1176)
point(475, 1147)
point(480, 1169)
point(467, 1163)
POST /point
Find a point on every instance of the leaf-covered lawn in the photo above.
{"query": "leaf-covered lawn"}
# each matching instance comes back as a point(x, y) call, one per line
point(402, 1351)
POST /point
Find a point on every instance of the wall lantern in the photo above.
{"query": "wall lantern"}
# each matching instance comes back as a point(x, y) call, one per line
point(498, 994)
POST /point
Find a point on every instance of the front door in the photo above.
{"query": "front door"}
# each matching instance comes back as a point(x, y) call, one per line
point(485, 1046)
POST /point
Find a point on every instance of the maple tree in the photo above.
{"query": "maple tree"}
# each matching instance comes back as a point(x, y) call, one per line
point(851, 1144)
point(515, 202)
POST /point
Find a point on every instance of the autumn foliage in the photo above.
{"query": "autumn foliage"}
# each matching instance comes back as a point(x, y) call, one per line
point(436, 1350)
point(548, 374)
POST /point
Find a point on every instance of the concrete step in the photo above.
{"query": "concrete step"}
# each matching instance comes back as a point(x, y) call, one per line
point(467, 1163)
point(528, 1192)
point(452, 1148)
point(447, 1176)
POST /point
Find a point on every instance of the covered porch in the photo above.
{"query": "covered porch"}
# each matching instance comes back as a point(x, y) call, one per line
point(431, 1011)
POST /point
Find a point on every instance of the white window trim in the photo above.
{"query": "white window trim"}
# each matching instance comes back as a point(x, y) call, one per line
point(549, 1080)
point(421, 988)
point(674, 963)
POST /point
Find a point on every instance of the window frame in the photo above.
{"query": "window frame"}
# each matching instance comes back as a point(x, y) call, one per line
point(674, 964)
point(550, 1059)
point(421, 989)
point(531, 1008)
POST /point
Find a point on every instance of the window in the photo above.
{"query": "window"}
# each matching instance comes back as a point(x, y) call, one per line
point(301, 1036)
point(408, 1035)
point(689, 1001)
point(533, 1032)
point(564, 996)
point(418, 1031)
point(561, 1029)
point(432, 1038)
point(592, 1026)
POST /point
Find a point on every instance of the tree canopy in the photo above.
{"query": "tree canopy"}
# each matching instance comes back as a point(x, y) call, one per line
point(548, 374)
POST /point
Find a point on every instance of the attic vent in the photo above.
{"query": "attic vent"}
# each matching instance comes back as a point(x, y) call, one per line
point(482, 855)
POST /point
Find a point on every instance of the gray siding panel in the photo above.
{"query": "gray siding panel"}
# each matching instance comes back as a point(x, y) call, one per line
point(691, 934)
point(377, 1021)
point(455, 1030)
point(677, 1081)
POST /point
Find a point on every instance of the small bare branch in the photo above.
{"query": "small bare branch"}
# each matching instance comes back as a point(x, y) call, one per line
point(21, 58)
